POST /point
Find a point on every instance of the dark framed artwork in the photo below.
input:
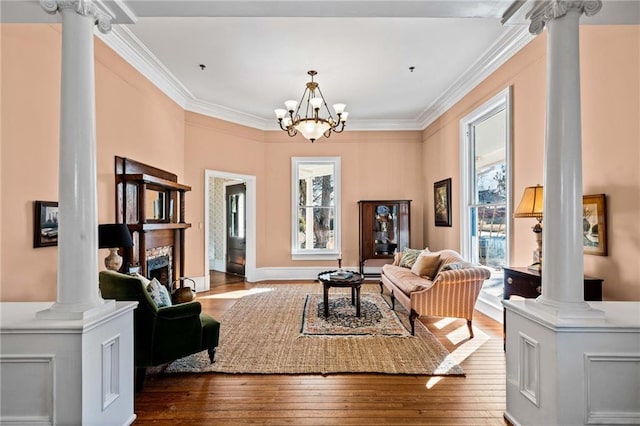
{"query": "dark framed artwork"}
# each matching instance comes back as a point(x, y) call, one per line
point(594, 224)
point(442, 202)
point(45, 223)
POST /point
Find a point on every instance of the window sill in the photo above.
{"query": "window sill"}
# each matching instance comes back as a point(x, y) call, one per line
point(314, 256)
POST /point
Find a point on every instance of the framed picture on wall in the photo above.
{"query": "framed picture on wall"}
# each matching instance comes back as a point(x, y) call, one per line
point(594, 224)
point(442, 202)
point(45, 223)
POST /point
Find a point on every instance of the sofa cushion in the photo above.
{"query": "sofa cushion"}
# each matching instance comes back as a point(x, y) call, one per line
point(405, 280)
point(409, 257)
point(426, 265)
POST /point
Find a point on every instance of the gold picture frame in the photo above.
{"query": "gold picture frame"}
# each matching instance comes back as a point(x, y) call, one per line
point(594, 224)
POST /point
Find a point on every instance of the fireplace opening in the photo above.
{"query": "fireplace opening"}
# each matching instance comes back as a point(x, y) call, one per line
point(160, 269)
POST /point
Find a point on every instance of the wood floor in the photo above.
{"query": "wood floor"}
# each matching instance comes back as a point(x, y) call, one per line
point(341, 399)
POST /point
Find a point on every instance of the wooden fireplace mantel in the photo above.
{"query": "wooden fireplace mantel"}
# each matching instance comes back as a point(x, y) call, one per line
point(141, 188)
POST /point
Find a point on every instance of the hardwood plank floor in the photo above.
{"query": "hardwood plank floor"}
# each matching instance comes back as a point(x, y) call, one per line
point(344, 399)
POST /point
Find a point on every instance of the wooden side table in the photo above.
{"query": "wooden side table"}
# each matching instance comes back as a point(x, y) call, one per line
point(520, 281)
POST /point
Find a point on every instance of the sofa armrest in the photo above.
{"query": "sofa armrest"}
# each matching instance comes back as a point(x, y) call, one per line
point(462, 275)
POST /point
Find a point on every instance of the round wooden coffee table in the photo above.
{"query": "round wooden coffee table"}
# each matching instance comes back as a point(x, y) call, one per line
point(330, 279)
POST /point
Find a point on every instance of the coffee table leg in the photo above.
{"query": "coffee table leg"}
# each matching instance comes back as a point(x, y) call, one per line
point(326, 300)
point(357, 290)
point(353, 296)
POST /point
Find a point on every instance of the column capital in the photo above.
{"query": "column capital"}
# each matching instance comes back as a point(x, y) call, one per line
point(552, 9)
point(81, 7)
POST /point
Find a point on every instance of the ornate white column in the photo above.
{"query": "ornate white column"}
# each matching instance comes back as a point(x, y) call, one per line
point(562, 275)
point(78, 294)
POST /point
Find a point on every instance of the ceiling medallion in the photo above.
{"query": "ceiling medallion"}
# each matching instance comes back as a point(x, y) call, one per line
point(312, 126)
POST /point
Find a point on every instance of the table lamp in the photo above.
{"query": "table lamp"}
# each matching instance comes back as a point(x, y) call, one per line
point(113, 236)
point(531, 205)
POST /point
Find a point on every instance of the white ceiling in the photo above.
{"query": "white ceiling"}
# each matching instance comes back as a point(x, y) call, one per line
point(257, 53)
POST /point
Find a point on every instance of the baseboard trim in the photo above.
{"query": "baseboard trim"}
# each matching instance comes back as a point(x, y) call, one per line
point(490, 309)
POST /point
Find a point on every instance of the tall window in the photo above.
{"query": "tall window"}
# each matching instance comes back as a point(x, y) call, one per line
point(485, 139)
point(315, 207)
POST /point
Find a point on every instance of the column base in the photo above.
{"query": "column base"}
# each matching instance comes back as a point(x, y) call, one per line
point(566, 312)
point(71, 311)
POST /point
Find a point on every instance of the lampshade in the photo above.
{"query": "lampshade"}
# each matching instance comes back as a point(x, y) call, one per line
point(531, 204)
point(114, 235)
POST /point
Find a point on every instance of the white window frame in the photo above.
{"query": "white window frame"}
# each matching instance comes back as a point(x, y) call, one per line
point(314, 253)
point(499, 101)
point(502, 100)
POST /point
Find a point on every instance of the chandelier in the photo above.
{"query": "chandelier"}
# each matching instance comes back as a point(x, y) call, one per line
point(312, 126)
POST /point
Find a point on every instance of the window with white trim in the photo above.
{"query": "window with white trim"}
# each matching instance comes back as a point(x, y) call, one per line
point(485, 189)
point(315, 230)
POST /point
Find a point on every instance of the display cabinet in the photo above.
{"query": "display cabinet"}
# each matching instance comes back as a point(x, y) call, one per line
point(384, 228)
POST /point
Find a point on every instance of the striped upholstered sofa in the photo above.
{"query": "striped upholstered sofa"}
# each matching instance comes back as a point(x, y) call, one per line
point(449, 289)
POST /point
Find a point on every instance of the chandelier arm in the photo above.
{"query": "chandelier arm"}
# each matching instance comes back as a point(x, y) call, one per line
point(327, 133)
point(336, 130)
point(326, 107)
point(280, 122)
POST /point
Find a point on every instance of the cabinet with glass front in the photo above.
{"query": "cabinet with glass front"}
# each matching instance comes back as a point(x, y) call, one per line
point(384, 229)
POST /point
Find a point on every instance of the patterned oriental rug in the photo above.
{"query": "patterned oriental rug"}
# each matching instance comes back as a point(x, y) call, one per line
point(264, 333)
point(375, 317)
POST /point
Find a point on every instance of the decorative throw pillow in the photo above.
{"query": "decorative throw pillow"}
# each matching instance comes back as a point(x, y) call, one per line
point(426, 265)
point(146, 281)
point(159, 293)
point(409, 257)
point(454, 266)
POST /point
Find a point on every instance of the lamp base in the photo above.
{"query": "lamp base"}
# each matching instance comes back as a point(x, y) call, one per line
point(535, 267)
point(113, 262)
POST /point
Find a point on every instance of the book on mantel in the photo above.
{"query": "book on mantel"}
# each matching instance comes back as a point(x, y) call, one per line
point(340, 275)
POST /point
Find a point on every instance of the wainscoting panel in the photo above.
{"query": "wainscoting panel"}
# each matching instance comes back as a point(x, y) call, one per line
point(529, 380)
point(612, 388)
point(22, 375)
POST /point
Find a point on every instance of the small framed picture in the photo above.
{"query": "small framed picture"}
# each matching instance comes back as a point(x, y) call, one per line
point(45, 224)
point(594, 224)
point(442, 202)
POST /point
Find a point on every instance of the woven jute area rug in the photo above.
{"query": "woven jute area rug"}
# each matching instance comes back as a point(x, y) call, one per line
point(262, 334)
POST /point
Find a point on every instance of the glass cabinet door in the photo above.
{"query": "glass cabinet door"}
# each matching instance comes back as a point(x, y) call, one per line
point(385, 230)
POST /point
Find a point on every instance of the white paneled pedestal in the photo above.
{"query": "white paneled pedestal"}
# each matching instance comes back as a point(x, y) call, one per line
point(577, 372)
point(66, 372)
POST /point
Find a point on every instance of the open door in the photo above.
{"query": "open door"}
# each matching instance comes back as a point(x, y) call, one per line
point(236, 227)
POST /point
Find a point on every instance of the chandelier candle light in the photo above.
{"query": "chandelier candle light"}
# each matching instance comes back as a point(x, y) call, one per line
point(531, 206)
point(312, 126)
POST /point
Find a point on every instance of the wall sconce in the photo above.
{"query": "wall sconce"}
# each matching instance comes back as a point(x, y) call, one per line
point(531, 205)
point(113, 236)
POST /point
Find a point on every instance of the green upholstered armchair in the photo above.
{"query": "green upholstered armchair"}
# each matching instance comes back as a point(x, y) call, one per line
point(164, 334)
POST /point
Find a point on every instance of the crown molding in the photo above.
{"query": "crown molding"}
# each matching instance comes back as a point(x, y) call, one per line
point(132, 50)
point(228, 114)
point(510, 42)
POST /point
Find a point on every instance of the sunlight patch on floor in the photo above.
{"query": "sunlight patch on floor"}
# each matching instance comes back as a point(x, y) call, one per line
point(463, 351)
point(238, 294)
point(444, 322)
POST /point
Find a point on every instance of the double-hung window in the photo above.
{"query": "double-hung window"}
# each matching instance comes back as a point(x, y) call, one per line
point(485, 189)
point(315, 230)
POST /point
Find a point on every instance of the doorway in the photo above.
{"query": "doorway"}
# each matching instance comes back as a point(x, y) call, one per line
point(216, 223)
point(235, 196)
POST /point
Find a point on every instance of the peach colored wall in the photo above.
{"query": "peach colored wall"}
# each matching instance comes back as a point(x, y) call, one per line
point(133, 119)
point(213, 144)
point(610, 75)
